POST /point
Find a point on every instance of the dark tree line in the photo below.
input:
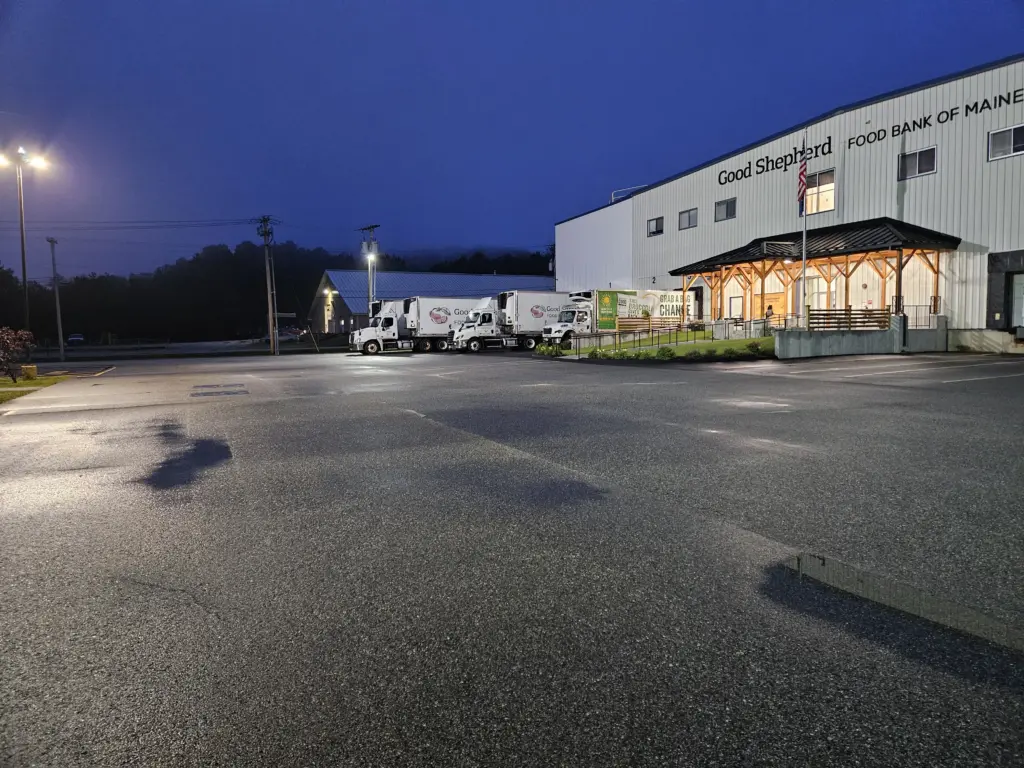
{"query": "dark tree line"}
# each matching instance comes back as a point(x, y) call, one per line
point(220, 293)
point(479, 263)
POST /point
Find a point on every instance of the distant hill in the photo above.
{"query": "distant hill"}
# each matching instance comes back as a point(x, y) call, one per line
point(424, 258)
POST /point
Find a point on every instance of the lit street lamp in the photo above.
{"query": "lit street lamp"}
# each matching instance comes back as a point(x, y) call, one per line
point(21, 159)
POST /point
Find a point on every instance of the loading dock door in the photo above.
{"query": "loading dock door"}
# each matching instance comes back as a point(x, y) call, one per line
point(1017, 302)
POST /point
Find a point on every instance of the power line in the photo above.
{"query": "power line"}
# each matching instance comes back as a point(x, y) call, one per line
point(125, 226)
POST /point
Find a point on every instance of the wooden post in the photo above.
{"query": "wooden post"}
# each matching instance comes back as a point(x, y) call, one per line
point(935, 287)
point(884, 275)
point(846, 283)
point(764, 279)
point(721, 295)
point(898, 305)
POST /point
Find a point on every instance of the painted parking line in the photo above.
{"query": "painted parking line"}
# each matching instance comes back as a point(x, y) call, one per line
point(930, 368)
point(983, 378)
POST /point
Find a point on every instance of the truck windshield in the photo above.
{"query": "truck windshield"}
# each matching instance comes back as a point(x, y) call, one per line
point(375, 322)
point(472, 317)
point(567, 316)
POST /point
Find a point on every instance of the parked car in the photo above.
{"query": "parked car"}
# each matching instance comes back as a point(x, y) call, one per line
point(284, 336)
point(76, 338)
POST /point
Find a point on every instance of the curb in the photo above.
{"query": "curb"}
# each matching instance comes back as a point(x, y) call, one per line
point(652, 361)
point(905, 598)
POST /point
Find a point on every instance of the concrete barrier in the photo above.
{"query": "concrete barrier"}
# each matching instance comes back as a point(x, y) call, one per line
point(894, 341)
point(929, 339)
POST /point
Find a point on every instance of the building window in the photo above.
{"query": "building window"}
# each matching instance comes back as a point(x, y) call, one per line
point(655, 226)
point(688, 219)
point(917, 163)
point(821, 191)
point(1007, 142)
point(725, 209)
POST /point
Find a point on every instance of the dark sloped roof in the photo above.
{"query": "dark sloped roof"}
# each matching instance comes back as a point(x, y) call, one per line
point(868, 236)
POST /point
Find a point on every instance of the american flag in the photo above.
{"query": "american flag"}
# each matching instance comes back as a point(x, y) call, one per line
point(801, 182)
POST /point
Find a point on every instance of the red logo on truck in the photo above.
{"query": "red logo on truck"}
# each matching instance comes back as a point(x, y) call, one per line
point(439, 315)
point(537, 310)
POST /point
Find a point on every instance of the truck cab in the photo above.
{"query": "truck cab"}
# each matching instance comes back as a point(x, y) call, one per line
point(482, 328)
point(573, 319)
point(385, 330)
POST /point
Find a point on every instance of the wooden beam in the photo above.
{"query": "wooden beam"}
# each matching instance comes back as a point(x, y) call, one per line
point(873, 263)
point(851, 270)
point(923, 256)
point(935, 284)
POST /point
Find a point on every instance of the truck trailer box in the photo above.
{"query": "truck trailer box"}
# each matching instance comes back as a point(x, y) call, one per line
point(525, 313)
point(436, 315)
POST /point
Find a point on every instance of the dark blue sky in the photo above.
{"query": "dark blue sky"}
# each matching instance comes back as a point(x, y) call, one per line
point(449, 122)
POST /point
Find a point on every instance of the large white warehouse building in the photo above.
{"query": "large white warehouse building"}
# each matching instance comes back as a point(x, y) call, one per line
point(929, 179)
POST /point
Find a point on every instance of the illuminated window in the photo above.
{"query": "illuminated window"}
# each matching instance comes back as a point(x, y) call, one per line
point(821, 191)
point(917, 163)
point(1007, 142)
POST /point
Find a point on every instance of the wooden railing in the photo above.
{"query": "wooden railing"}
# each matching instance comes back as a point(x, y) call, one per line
point(649, 323)
point(848, 319)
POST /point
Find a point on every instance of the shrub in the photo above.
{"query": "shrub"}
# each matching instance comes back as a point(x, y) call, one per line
point(709, 354)
point(963, 348)
point(620, 354)
point(729, 353)
point(550, 350)
point(693, 355)
point(665, 353)
point(644, 354)
point(13, 344)
point(754, 347)
point(594, 354)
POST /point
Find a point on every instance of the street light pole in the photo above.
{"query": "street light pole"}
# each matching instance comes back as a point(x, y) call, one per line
point(21, 157)
point(370, 287)
point(56, 293)
point(21, 221)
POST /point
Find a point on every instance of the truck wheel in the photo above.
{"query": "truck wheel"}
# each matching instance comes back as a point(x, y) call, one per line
point(441, 345)
point(371, 348)
point(474, 345)
point(529, 343)
point(423, 345)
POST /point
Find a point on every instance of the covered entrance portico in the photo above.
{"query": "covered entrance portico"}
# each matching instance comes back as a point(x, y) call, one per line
point(874, 264)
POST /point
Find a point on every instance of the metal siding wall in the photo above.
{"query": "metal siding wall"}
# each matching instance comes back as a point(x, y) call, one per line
point(979, 201)
point(963, 282)
point(596, 250)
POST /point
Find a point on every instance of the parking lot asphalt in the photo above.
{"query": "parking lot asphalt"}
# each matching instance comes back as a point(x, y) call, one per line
point(501, 560)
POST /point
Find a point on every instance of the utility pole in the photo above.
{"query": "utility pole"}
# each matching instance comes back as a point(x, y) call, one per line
point(265, 229)
point(56, 293)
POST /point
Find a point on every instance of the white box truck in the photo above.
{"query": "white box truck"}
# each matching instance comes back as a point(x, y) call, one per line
point(419, 324)
point(514, 320)
point(600, 311)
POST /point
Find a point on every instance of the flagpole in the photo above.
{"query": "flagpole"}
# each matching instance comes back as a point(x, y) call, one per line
point(803, 256)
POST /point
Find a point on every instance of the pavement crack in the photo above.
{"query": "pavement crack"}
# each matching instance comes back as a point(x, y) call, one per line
point(172, 590)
